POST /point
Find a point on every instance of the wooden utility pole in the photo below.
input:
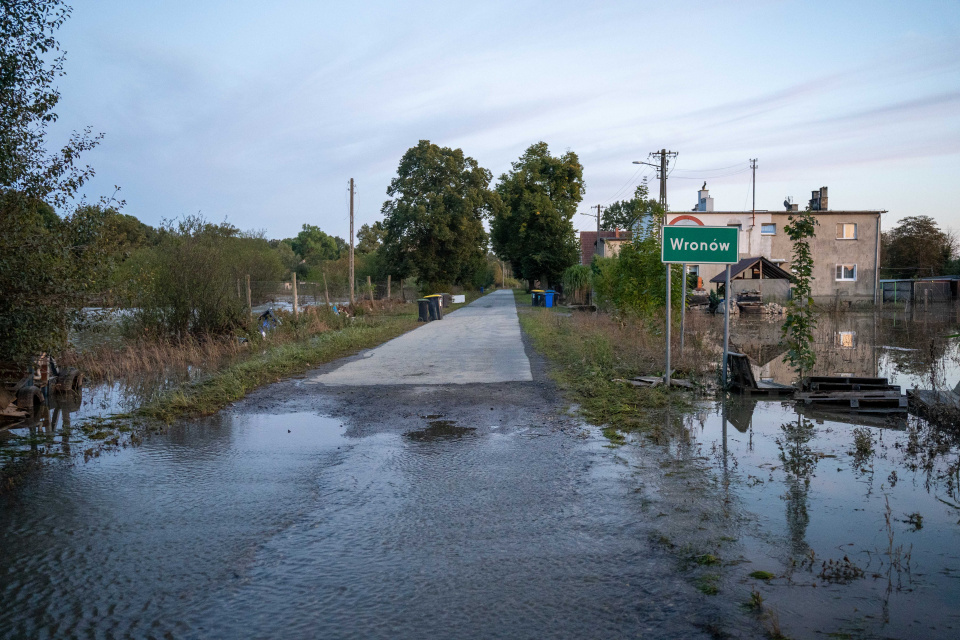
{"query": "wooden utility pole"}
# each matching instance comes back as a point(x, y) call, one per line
point(296, 298)
point(388, 286)
point(326, 291)
point(352, 279)
point(249, 297)
point(599, 243)
point(370, 288)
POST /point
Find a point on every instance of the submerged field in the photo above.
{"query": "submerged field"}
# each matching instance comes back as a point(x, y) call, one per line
point(821, 523)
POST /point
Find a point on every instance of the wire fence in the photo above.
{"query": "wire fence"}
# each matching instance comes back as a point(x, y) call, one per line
point(272, 294)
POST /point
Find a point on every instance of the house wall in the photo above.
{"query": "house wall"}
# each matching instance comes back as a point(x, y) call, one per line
point(828, 250)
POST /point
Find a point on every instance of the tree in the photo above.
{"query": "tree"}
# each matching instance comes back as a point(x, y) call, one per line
point(917, 247)
point(370, 237)
point(313, 245)
point(48, 264)
point(433, 223)
point(797, 330)
point(534, 229)
point(637, 214)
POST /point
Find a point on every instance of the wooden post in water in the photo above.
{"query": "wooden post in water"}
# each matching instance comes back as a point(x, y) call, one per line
point(249, 297)
point(296, 299)
point(370, 288)
point(326, 291)
point(388, 286)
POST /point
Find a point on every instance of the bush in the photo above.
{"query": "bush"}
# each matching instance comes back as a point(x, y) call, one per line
point(635, 281)
point(191, 281)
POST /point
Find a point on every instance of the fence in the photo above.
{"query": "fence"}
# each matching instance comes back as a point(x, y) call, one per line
point(274, 294)
point(920, 291)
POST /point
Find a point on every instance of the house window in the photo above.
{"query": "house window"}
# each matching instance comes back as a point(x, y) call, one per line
point(694, 269)
point(847, 272)
point(847, 339)
point(768, 229)
point(847, 231)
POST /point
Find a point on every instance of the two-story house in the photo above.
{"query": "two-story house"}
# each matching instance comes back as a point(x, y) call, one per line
point(846, 247)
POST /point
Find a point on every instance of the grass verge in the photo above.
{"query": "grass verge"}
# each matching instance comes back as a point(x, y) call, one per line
point(589, 353)
point(233, 382)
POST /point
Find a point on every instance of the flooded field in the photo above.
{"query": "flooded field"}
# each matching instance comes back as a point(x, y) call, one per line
point(855, 517)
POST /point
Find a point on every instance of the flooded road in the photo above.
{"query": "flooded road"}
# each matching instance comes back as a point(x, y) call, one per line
point(406, 511)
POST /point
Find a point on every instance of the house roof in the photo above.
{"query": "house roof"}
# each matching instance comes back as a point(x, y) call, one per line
point(588, 242)
point(770, 270)
point(828, 212)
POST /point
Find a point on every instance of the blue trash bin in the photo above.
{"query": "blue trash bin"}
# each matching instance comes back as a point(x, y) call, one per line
point(550, 297)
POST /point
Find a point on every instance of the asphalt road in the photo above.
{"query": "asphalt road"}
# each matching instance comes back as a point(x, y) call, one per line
point(477, 344)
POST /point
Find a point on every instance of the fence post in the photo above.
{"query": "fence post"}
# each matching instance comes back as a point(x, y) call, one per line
point(370, 288)
point(388, 287)
point(249, 297)
point(326, 292)
point(296, 298)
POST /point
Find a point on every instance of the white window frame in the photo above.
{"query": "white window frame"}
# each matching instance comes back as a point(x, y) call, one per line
point(842, 229)
point(768, 224)
point(838, 273)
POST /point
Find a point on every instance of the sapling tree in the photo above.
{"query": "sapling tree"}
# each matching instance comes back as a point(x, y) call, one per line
point(797, 330)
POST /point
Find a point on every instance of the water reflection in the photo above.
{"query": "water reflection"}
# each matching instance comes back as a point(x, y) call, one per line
point(869, 511)
point(914, 350)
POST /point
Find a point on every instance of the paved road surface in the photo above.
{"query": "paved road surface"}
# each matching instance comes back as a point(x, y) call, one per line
point(478, 343)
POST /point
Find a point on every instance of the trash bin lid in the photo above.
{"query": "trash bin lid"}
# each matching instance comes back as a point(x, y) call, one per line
point(536, 291)
point(550, 291)
point(432, 295)
point(422, 300)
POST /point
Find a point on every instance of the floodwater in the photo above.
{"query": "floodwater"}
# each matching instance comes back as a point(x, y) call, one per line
point(876, 498)
point(291, 525)
point(256, 524)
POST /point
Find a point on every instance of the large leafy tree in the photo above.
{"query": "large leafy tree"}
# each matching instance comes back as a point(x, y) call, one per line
point(917, 247)
point(534, 229)
point(433, 223)
point(48, 263)
point(370, 237)
point(314, 246)
point(638, 214)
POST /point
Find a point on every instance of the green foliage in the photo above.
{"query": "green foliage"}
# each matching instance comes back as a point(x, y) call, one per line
point(433, 223)
point(797, 330)
point(370, 237)
point(575, 278)
point(916, 248)
point(315, 246)
point(635, 281)
point(534, 230)
point(189, 283)
point(49, 266)
point(639, 214)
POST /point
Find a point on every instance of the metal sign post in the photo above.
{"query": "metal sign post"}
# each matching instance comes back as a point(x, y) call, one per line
point(700, 245)
point(666, 372)
point(726, 325)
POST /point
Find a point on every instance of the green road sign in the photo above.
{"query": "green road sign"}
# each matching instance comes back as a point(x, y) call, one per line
point(700, 245)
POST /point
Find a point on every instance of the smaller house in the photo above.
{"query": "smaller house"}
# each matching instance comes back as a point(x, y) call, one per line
point(609, 246)
point(757, 274)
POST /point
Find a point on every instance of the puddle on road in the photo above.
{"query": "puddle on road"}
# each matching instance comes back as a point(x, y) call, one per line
point(439, 430)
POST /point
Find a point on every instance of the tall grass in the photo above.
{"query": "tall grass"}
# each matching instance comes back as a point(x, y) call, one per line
point(592, 353)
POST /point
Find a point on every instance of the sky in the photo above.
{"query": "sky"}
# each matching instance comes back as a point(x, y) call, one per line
point(258, 113)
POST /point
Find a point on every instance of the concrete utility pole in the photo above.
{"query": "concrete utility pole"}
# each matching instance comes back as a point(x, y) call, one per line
point(664, 161)
point(352, 279)
point(753, 165)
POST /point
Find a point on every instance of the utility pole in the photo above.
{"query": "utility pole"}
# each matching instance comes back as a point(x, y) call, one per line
point(599, 244)
point(753, 165)
point(352, 282)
